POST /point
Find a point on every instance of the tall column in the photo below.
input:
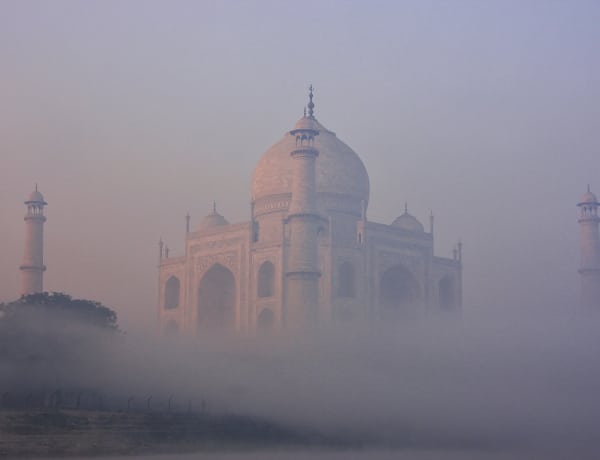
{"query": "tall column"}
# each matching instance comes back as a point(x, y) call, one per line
point(589, 270)
point(32, 269)
point(302, 275)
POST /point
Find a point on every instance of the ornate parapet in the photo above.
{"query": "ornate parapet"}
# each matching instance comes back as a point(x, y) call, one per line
point(169, 261)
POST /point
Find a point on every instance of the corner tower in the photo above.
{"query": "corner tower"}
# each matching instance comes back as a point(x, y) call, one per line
point(302, 275)
point(589, 269)
point(32, 269)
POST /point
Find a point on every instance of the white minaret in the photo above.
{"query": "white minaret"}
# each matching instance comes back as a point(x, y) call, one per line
point(32, 270)
point(302, 275)
point(589, 269)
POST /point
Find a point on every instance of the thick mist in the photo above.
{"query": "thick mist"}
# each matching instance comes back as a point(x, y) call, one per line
point(507, 382)
point(130, 115)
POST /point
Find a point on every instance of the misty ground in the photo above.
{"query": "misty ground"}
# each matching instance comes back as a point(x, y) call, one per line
point(70, 433)
point(83, 434)
point(30, 433)
point(494, 385)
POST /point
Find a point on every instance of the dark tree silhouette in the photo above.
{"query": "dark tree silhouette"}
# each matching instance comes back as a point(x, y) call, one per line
point(51, 339)
point(61, 305)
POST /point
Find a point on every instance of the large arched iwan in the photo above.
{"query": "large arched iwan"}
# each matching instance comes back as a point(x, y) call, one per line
point(447, 293)
point(217, 300)
point(398, 292)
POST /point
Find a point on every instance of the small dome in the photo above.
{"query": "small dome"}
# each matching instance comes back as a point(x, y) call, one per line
point(408, 222)
point(214, 219)
point(588, 197)
point(35, 197)
point(307, 123)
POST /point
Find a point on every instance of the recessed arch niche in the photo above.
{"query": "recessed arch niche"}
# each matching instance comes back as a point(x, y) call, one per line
point(447, 293)
point(171, 327)
point(172, 288)
point(346, 280)
point(217, 300)
point(265, 320)
point(266, 280)
point(399, 292)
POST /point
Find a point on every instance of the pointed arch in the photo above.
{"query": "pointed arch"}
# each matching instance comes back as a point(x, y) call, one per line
point(266, 280)
point(447, 293)
point(399, 292)
point(346, 280)
point(217, 299)
point(172, 289)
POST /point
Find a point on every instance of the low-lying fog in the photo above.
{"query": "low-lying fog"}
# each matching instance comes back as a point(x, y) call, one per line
point(505, 381)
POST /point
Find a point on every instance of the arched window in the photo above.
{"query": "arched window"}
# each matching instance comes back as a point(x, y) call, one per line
point(172, 293)
point(266, 280)
point(346, 280)
point(447, 293)
point(217, 299)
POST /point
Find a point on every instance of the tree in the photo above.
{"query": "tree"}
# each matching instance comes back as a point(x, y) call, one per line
point(62, 306)
point(52, 339)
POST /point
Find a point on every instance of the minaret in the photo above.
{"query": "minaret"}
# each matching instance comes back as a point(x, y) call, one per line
point(589, 269)
point(32, 270)
point(302, 275)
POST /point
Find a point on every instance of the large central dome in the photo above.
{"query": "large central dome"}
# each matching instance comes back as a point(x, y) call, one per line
point(342, 180)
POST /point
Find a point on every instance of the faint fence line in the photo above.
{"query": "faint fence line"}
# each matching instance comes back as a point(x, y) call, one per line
point(89, 400)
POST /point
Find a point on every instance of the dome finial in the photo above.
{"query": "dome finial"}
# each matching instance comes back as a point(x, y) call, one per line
point(214, 206)
point(406, 207)
point(587, 190)
point(37, 189)
point(311, 105)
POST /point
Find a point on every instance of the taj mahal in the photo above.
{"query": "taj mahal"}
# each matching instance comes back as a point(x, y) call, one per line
point(308, 255)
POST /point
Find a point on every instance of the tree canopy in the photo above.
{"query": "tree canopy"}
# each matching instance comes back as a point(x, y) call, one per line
point(62, 306)
point(53, 339)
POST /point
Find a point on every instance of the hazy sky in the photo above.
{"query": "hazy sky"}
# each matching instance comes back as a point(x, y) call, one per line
point(129, 114)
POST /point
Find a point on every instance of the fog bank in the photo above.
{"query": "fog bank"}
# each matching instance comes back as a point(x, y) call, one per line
point(503, 381)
